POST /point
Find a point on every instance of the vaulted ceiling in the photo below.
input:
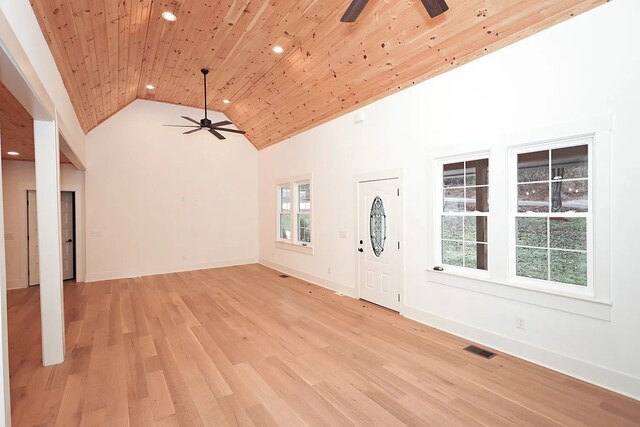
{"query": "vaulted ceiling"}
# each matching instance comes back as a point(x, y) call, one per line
point(108, 51)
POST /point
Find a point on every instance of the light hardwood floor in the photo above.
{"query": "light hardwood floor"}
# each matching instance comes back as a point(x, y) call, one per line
point(242, 346)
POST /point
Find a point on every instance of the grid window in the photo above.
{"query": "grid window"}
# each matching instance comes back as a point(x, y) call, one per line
point(553, 215)
point(304, 213)
point(284, 231)
point(464, 211)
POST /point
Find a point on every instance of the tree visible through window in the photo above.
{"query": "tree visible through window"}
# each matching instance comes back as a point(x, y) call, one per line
point(553, 214)
point(465, 204)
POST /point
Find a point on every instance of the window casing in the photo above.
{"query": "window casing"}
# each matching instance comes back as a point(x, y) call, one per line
point(463, 213)
point(551, 216)
point(294, 214)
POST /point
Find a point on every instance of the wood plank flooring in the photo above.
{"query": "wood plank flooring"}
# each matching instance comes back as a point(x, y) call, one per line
point(242, 346)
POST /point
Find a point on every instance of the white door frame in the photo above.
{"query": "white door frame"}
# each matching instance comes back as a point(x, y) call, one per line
point(78, 223)
point(379, 176)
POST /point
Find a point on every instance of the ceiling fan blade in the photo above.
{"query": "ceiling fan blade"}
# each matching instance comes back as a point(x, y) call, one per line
point(182, 126)
point(191, 120)
point(354, 10)
point(223, 123)
point(228, 130)
point(435, 7)
point(217, 134)
point(191, 131)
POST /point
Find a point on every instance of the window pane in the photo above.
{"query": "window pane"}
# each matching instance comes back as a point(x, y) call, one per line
point(454, 200)
point(477, 199)
point(532, 263)
point(477, 172)
point(475, 228)
point(569, 267)
point(533, 166)
point(453, 175)
point(452, 253)
point(452, 227)
point(531, 232)
point(533, 197)
point(571, 162)
point(285, 198)
point(568, 233)
point(475, 255)
point(304, 228)
point(285, 226)
point(570, 196)
point(304, 197)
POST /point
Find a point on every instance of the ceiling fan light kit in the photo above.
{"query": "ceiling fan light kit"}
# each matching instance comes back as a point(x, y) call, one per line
point(213, 128)
point(434, 8)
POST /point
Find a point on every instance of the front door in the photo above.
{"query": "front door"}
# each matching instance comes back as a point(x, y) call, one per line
point(379, 231)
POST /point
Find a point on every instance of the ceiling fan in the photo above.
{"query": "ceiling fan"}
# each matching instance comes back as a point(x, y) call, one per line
point(213, 128)
point(434, 8)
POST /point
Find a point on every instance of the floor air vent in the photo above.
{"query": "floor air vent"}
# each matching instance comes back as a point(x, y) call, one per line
point(284, 276)
point(479, 351)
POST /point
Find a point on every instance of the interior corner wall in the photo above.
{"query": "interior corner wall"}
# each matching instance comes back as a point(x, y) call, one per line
point(582, 68)
point(159, 201)
point(18, 178)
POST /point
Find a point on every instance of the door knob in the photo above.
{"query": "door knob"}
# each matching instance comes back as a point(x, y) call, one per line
point(69, 241)
point(360, 250)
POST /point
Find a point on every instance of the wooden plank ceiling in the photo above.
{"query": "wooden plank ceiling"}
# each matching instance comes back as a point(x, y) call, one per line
point(16, 129)
point(108, 51)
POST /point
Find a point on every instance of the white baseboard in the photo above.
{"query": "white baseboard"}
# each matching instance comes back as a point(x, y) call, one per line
point(337, 287)
point(97, 277)
point(594, 374)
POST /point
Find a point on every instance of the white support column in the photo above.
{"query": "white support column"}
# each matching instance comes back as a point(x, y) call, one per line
point(49, 240)
point(5, 404)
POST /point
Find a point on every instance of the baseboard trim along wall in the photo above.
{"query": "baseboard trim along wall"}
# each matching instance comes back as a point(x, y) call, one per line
point(98, 277)
point(594, 374)
point(342, 289)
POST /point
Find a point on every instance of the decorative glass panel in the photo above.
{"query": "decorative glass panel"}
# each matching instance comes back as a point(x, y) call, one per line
point(377, 226)
point(304, 228)
point(533, 166)
point(304, 197)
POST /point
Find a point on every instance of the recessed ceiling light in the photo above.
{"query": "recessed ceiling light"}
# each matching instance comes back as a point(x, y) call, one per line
point(226, 101)
point(278, 49)
point(169, 16)
point(150, 87)
point(13, 153)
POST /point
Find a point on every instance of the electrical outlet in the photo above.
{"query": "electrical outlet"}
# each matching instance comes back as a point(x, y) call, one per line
point(520, 322)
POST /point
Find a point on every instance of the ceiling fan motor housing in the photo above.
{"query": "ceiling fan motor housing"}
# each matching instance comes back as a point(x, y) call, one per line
point(205, 122)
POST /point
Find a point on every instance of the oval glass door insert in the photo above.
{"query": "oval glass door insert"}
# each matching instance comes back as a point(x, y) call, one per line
point(377, 226)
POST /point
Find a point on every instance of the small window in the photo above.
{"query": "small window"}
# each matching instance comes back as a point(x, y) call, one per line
point(552, 214)
point(294, 214)
point(304, 213)
point(464, 212)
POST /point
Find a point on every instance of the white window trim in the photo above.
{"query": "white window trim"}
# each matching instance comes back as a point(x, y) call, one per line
point(280, 212)
point(498, 283)
point(440, 162)
point(548, 285)
point(293, 244)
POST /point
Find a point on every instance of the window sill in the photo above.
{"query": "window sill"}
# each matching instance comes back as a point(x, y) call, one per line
point(295, 247)
point(575, 304)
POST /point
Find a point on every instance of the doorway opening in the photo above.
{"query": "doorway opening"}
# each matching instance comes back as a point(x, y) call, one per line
point(67, 231)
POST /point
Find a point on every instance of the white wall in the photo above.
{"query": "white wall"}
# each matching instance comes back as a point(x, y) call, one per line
point(18, 177)
point(583, 68)
point(159, 201)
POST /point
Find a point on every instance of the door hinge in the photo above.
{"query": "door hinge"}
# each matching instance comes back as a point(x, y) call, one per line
point(398, 297)
point(398, 245)
point(398, 192)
